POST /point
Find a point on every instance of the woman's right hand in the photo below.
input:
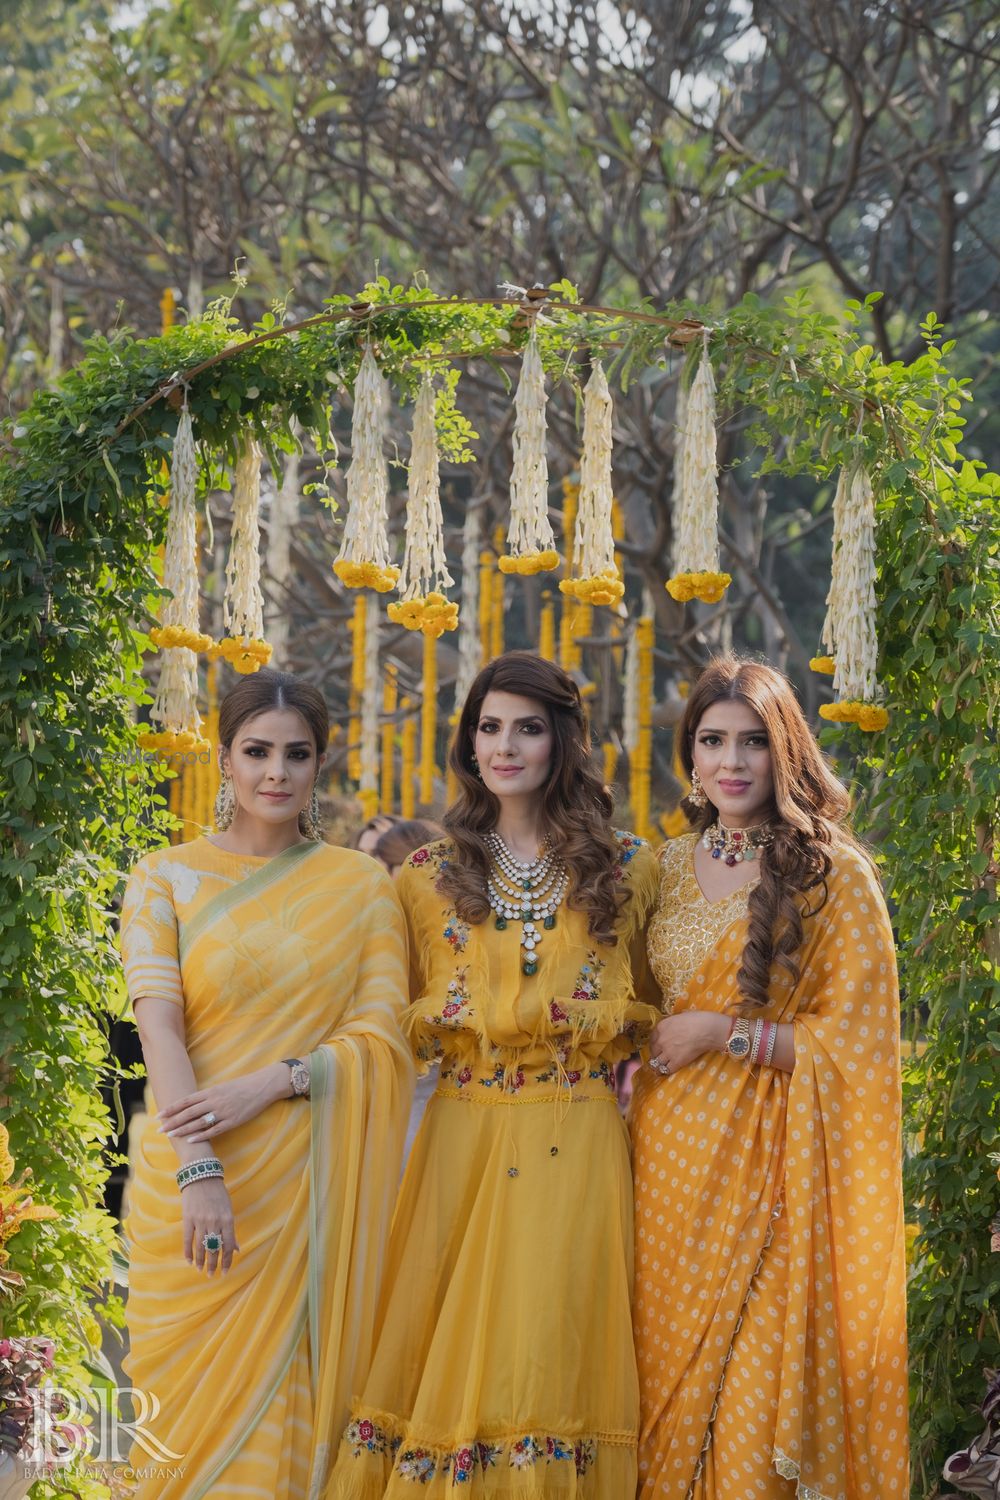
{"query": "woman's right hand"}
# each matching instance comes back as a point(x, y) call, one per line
point(207, 1209)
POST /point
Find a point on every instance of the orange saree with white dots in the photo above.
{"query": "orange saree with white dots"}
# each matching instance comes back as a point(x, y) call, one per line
point(770, 1298)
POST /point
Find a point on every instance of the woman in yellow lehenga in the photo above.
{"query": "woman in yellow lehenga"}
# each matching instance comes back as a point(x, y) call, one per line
point(504, 1363)
point(267, 971)
point(770, 1299)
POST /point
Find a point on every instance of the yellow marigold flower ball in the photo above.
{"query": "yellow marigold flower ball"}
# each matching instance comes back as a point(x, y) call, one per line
point(708, 587)
point(824, 664)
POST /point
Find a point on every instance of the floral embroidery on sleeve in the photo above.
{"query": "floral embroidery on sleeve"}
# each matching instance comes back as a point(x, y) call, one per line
point(628, 846)
point(457, 1009)
point(456, 933)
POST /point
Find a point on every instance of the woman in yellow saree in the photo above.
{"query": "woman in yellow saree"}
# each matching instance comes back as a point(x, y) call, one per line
point(770, 1297)
point(267, 971)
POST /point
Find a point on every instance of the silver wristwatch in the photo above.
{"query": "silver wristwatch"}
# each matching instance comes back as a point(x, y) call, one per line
point(300, 1077)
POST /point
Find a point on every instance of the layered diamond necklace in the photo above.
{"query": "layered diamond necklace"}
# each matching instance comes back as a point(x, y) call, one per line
point(525, 893)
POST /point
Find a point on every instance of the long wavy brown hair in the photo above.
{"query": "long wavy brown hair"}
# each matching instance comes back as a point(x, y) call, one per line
point(576, 807)
point(809, 816)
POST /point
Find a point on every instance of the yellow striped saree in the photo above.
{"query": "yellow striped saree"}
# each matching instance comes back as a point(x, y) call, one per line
point(300, 955)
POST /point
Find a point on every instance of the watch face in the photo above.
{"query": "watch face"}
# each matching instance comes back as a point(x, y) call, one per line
point(739, 1046)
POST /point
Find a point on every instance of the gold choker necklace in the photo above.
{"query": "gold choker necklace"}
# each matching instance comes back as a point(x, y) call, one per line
point(736, 844)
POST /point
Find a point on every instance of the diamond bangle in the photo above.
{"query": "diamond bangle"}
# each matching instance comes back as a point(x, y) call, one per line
point(199, 1171)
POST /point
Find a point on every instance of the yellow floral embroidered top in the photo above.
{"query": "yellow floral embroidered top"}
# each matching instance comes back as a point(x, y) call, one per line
point(588, 1005)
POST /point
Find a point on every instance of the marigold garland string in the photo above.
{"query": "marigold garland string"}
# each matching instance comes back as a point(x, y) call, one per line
point(485, 605)
point(428, 720)
point(496, 613)
point(408, 761)
point(547, 629)
point(356, 689)
point(363, 559)
point(368, 790)
point(390, 699)
point(695, 556)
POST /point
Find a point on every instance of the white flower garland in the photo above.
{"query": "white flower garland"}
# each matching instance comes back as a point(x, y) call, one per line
point(849, 631)
point(244, 646)
point(424, 576)
point(695, 551)
point(596, 580)
point(363, 559)
point(176, 703)
point(531, 545)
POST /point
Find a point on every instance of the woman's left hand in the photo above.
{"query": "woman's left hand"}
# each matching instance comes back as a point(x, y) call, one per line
point(679, 1040)
point(232, 1103)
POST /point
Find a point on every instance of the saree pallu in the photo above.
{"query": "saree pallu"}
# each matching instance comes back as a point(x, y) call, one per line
point(302, 955)
point(770, 1281)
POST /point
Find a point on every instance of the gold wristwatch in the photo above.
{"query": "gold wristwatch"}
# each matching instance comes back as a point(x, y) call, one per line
point(738, 1044)
point(300, 1077)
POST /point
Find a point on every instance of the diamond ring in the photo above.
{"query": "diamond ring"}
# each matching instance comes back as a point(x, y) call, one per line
point(659, 1065)
point(212, 1241)
point(208, 1119)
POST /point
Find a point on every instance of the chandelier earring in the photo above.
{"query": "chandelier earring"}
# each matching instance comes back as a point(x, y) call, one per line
point(475, 765)
point(225, 803)
point(310, 821)
point(697, 796)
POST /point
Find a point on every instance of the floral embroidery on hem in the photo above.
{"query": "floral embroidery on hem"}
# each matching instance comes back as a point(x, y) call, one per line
point(512, 1081)
point(422, 1464)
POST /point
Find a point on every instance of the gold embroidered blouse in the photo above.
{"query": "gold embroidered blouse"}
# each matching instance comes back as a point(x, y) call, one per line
point(686, 926)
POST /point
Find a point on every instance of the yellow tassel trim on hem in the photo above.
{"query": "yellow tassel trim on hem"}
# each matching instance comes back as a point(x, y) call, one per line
point(529, 562)
point(708, 587)
point(824, 664)
point(432, 615)
point(868, 716)
point(598, 589)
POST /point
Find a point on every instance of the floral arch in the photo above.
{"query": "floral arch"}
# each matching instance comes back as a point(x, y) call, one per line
point(84, 473)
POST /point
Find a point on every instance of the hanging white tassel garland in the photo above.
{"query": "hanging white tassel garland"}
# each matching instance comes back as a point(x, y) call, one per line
point(176, 705)
point(470, 652)
point(363, 559)
point(695, 560)
point(849, 632)
point(597, 580)
point(531, 545)
point(244, 646)
point(424, 577)
point(178, 625)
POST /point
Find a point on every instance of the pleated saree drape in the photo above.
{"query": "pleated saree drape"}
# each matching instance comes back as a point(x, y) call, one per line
point(302, 955)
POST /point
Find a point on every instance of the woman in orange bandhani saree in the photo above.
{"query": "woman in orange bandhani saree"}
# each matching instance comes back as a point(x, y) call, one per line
point(268, 971)
point(770, 1298)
